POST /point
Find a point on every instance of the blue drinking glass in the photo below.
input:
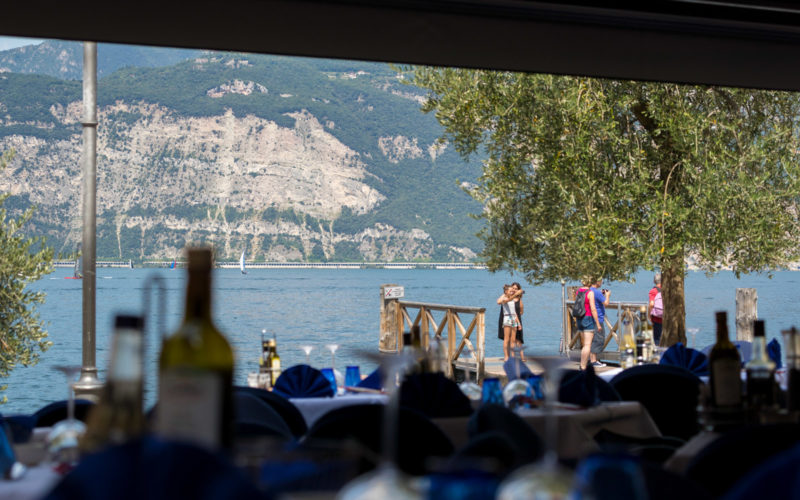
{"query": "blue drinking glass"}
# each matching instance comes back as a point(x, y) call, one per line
point(328, 373)
point(492, 392)
point(535, 382)
point(608, 476)
point(352, 376)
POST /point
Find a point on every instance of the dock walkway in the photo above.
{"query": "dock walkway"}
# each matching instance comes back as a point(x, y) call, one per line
point(494, 367)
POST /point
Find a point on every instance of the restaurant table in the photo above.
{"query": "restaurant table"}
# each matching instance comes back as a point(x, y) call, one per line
point(33, 485)
point(576, 425)
point(313, 408)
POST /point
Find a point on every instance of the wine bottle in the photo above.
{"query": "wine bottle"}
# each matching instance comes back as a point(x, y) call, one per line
point(725, 366)
point(118, 416)
point(760, 387)
point(274, 361)
point(196, 369)
point(628, 344)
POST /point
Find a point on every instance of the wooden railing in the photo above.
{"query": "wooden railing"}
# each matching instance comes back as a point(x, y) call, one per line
point(570, 334)
point(448, 328)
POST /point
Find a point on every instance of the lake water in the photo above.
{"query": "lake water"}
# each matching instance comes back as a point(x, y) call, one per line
point(320, 306)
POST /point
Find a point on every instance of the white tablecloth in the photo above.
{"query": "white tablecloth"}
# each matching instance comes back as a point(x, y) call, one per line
point(576, 426)
point(313, 408)
point(34, 484)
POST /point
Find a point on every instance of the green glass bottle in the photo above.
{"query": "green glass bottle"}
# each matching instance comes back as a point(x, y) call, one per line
point(725, 366)
point(196, 369)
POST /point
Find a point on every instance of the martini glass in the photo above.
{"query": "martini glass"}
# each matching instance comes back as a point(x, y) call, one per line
point(339, 377)
point(62, 440)
point(307, 350)
point(386, 481)
point(545, 479)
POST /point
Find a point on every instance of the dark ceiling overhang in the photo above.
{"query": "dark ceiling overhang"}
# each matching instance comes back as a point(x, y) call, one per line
point(744, 43)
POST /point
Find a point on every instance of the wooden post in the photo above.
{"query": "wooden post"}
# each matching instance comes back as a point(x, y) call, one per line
point(451, 342)
point(480, 348)
point(746, 313)
point(388, 341)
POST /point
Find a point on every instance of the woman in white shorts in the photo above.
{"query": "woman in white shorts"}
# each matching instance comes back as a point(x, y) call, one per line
point(510, 319)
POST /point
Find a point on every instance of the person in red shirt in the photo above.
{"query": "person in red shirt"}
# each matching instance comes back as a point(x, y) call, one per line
point(656, 321)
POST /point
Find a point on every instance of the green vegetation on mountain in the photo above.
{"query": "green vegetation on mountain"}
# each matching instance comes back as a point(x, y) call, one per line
point(362, 105)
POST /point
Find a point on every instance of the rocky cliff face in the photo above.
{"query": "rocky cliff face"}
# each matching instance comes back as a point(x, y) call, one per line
point(165, 180)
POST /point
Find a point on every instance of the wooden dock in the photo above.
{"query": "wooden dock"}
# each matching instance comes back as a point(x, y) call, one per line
point(494, 366)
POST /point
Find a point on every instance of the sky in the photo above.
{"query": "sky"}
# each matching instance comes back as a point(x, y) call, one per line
point(8, 42)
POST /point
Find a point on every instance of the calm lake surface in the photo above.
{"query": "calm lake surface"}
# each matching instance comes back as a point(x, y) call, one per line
point(321, 306)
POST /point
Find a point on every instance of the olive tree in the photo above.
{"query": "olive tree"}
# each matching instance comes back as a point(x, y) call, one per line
point(603, 178)
point(23, 260)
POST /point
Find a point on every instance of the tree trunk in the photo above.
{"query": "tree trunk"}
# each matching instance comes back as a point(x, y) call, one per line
point(672, 293)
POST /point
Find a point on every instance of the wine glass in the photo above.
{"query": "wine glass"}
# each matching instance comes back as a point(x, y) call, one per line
point(307, 348)
point(545, 479)
point(386, 481)
point(693, 332)
point(470, 389)
point(62, 440)
point(339, 377)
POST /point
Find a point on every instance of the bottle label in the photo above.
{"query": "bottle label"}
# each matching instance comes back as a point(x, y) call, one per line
point(726, 382)
point(127, 356)
point(190, 407)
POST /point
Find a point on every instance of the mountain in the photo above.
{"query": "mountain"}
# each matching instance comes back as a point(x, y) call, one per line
point(292, 158)
point(62, 59)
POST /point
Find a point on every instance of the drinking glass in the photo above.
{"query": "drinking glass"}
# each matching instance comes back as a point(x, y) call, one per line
point(545, 479)
point(693, 335)
point(328, 373)
point(470, 389)
point(352, 376)
point(492, 394)
point(517, 392)
point(307, 349)
point(62, 441)
point(339, 377)
point(386, 481)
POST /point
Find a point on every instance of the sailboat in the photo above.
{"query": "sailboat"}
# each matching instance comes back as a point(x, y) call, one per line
point(77, 272)
point(241, 263)
point(172, 266)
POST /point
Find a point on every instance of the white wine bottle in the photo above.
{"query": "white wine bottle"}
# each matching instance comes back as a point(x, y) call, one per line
point(725, 367)
point(118, 416)
point(196, 369)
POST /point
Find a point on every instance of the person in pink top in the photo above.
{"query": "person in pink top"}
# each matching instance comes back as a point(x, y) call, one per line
point(651, 300)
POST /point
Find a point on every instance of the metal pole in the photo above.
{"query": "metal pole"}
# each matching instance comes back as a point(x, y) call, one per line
point(88, 384)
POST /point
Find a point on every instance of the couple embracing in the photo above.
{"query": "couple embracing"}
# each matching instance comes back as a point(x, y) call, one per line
point(509, 328)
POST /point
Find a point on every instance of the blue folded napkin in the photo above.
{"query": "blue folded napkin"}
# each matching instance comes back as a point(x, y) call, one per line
point(774, 352)
point(21, 427)
point(514, 366)
point(303, 381)
point(691, 359)
point(372, 381)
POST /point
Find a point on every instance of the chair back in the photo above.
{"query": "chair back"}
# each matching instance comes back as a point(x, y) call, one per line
point(669, 393)
point(288, 412)
point(434, 395)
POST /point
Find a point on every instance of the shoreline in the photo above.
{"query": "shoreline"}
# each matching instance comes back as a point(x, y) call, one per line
point(289, 265)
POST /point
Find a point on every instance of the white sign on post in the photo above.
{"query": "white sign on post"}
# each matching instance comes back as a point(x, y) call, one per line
point(393, 292)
